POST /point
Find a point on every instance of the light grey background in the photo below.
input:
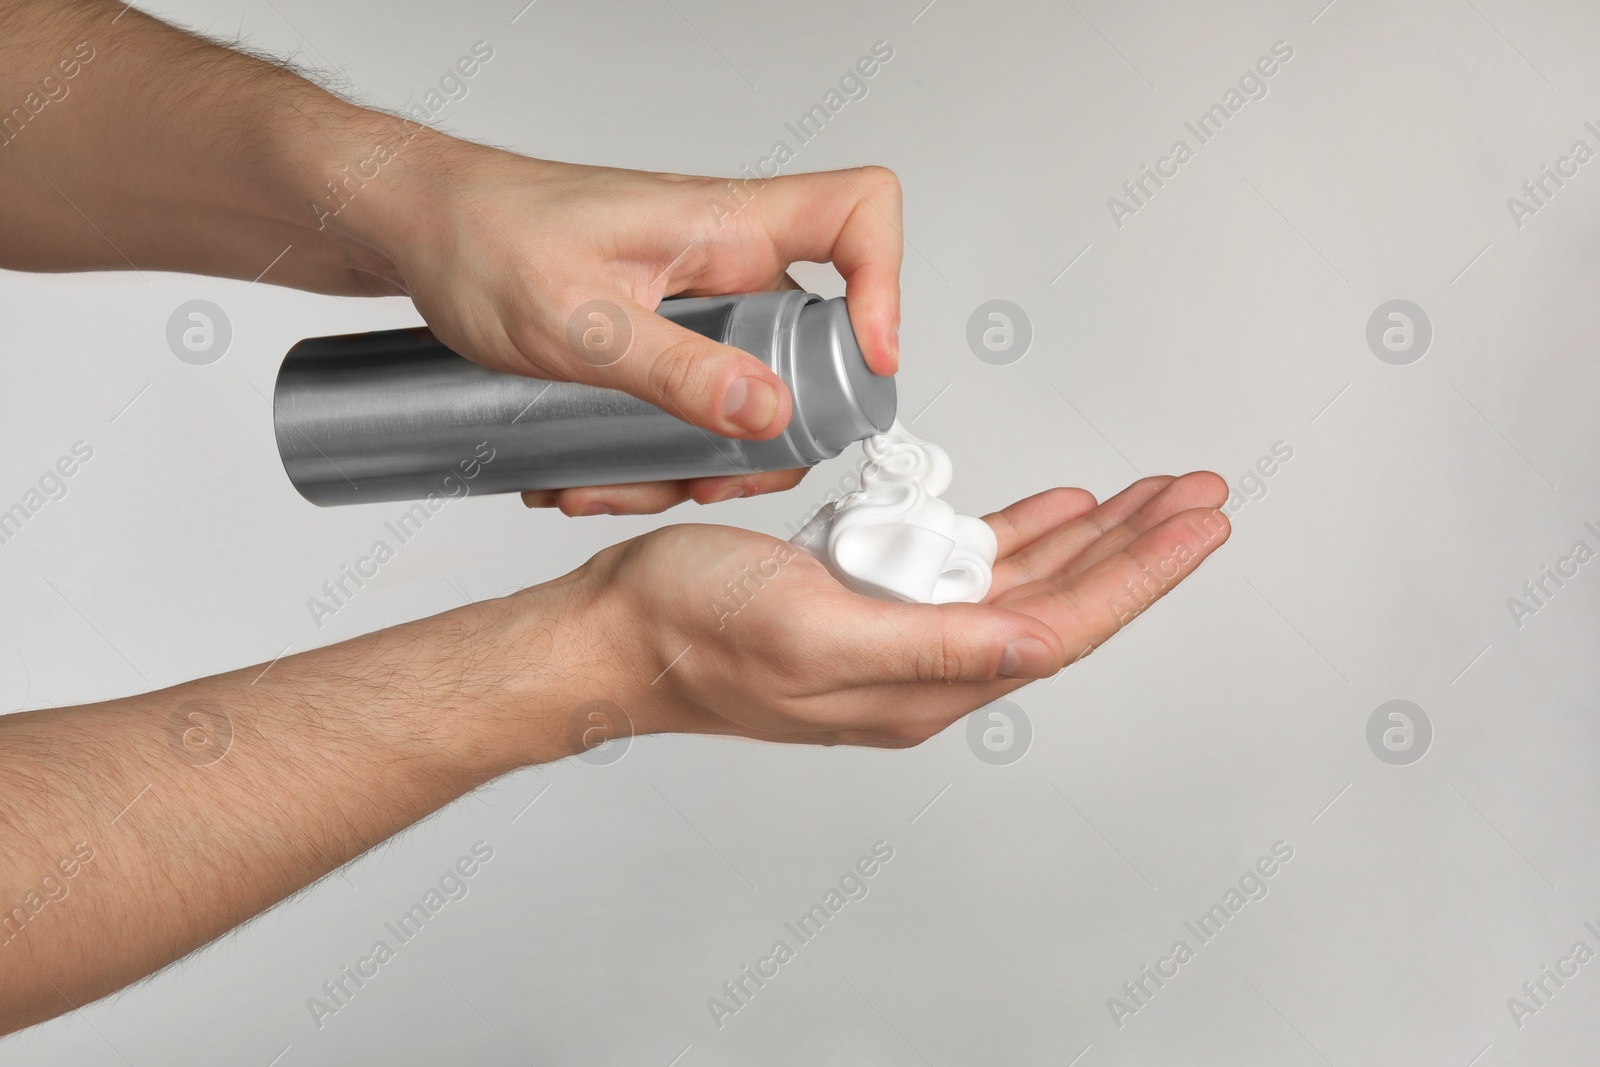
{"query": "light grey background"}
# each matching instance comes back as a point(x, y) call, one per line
point(1227, 315)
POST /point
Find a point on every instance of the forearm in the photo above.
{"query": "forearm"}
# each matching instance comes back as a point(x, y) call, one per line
point(137, 830)
point(126, 142)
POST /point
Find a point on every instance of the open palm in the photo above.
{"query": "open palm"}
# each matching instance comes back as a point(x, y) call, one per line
point(729, 631)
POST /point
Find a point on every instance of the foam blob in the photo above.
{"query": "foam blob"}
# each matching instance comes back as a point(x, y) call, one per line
point(893, 538)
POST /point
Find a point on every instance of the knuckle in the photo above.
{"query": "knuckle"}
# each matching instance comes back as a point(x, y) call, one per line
point(672, 370)
point(538, 305)
point(1023, 569)
point(564, 297)
point(945, 661)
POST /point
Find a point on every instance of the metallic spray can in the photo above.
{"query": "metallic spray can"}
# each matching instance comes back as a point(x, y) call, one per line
point(395, 415)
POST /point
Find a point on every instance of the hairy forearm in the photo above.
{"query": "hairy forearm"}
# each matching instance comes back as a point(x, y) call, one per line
point(136, 830)
point(125, 142)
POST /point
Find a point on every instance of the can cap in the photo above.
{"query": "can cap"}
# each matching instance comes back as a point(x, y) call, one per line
point(841, 400)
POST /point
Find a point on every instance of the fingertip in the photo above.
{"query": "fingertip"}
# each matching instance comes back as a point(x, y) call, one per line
point(719, 496)
point(1212, 486)
point(875, 320)
point(582, 510)
point(1027, 657)
point(851, 218)
point(1030, 650)
point(718, 490)
point(1220, 516)
point(1072, 500)
point(756, 406)
point(1002, 643)
point(630, 498)
point(717, 387)
point(778, 481)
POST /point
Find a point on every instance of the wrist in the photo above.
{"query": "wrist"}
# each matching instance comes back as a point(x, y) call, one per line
point(514, 678)
point(377, 183)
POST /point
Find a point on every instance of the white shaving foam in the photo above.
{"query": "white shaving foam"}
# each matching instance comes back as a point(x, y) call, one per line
point(893, 538)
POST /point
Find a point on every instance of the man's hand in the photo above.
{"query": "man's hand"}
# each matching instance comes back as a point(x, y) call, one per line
point(751, 636)
point(166, 152)
point(513, 262)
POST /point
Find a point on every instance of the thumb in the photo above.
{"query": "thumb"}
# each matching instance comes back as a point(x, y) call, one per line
point(714, 386)
point(959, 643)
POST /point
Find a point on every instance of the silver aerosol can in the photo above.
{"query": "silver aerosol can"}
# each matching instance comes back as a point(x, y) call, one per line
point(395, 415)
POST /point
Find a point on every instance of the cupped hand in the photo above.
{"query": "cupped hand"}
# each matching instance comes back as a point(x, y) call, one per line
point(719, 630)
point(554, 270)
